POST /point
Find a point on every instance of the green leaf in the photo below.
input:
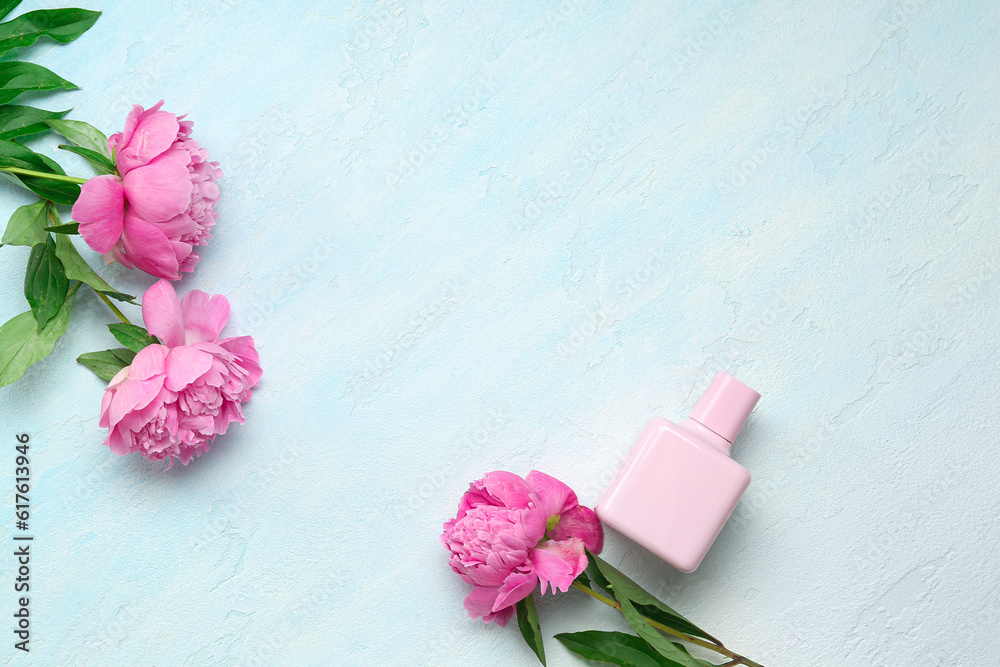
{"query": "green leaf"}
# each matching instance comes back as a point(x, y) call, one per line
point(7, 7)
point(21, 121)
point(17, 78)
point(107, 363)
point(102, 164)
point(45, 283)
point(625, 591)
point(78, 269)
point(23, 344)
point(13, 154)
point(72, 228)
point(26, 225)
point(616, 648)
point(622, 586)
point(131, 336)
point(527, 621)
point(592, 571)
point(62, 25)
point(83, 135)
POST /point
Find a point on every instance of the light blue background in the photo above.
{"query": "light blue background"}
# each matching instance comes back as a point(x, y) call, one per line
point(469, 238)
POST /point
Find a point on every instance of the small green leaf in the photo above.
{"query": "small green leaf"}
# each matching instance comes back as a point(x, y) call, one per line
point(23, 344)
point(17, 78)
point(622, 586)
point(78, 269)
point(616, 648)
point(102, 164)
point(527, 622)
point(21, 121)
point(26, 225)
point(45, 283)
point(13, 154)
point(107, 363)
point(83, 135)
point(72, 228)
point(595, 575)
point(62, 25)
point(7, 7)
point(131, 336)
point(626, 591)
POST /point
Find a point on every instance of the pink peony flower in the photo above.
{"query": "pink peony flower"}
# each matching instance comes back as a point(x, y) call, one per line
point(160, 204)
point(511, 534)
point(176, 397)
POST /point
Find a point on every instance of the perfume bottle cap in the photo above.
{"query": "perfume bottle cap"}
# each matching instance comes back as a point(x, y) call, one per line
point(725, 405)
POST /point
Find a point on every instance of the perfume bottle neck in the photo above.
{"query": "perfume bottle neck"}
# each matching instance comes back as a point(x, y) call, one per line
point(707, 435)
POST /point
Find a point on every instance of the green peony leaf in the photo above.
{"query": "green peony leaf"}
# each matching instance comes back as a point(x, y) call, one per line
point(83, 135)
point(108, 362)
point(73, 229)
point(22, 343)
point(25, 226)
point(527, 622)
point(78, 269)
point(626, 591)
point(616, 648)
point(100, 163)
point(15, 155)
point(17, 78)
point(131, 336)
point(62, 25)
point(7, 7)
point(45, 283)
point(622, 586)
point(21, 121)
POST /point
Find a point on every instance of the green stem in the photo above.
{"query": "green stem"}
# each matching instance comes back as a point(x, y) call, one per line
point(718, 648)
point(42, 174)
point(114, 309)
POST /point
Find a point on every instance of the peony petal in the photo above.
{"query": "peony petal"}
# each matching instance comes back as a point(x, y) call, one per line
point(509, 489)
point(244, 349)
point(178, 226)
point(554, 497)
point(204, 316)
point(154, 132)
point(558, 563)
point(99, 210)
point(161, 313)
point(580, 522)
point(149, 249)
point(479, 604)
point(515, 588)
point(185, 365)
point(149, 362)
point(133, 395)
point(160, 190)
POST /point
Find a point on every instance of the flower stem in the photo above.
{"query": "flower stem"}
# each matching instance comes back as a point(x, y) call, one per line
point(718, 648)
point(42, 174)
point(114, 309)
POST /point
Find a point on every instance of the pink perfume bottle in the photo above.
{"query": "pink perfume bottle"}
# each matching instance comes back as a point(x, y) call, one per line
point(679, 485)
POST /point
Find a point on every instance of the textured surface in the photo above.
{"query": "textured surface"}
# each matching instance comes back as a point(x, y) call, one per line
point(468, 239)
